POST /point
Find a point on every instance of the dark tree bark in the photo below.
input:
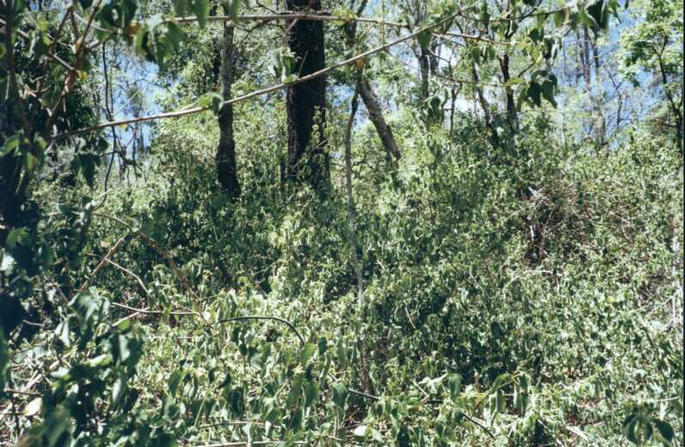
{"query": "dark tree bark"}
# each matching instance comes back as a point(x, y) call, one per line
point(225, 154)
point(306, 102)
point(512, 113)
point(10, 168)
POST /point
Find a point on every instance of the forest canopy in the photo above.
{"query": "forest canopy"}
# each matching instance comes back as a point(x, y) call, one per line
point(357, 222)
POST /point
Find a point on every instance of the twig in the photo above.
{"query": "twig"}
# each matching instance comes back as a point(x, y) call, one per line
point(127, 271)
point(152, 312)
point(363, 394)
point(26, 393)
point(478, 423)
point(109, 254)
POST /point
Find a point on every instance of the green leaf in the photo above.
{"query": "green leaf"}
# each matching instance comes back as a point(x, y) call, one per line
point(499, 381)
point(33, 407)
point(533, 93)
point(235, 401)
point(514, 81)
point(309, 392)
point(62, 333)
point(360, 431)
point(559, 18)
point(227, 380)
point(454, 385)
point(30, 161)
point(340, 394)
point(231, 7)
point(217, 101)
point(664, 428)
point(181, 7)
point(201, 10)
point(123, 347)
point(10, 145)
point(85, 3)
point(548, 90)
point(307, 352)
point(424, 40)
point(629, 428)
point(323, 345)
point(118, 391)
point(16, 237)
point(4, 362)
point(500, 401)
point(175, 380)
point(598, 12)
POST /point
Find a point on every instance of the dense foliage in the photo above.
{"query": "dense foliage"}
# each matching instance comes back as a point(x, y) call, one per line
point(479, 242)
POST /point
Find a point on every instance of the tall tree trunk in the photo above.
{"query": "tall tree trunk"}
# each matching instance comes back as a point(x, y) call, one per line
point(512, 117)
point(306, 102)
point(225, 154)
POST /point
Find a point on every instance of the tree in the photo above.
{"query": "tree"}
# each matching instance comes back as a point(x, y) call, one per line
point(225, 154)
point(655, 45)
point(306, 102)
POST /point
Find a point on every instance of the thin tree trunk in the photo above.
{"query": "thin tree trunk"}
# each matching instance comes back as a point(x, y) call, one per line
point(601, 132)
point(511, 104)
point(675, 107)
point(484, 105)
point(225, 155)
point(354, 245)
point(597, 124)
point(306, 102)
point(352, 214)
point(481, 97)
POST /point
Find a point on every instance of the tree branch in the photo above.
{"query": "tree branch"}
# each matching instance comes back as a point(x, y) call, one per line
point(273, 88)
